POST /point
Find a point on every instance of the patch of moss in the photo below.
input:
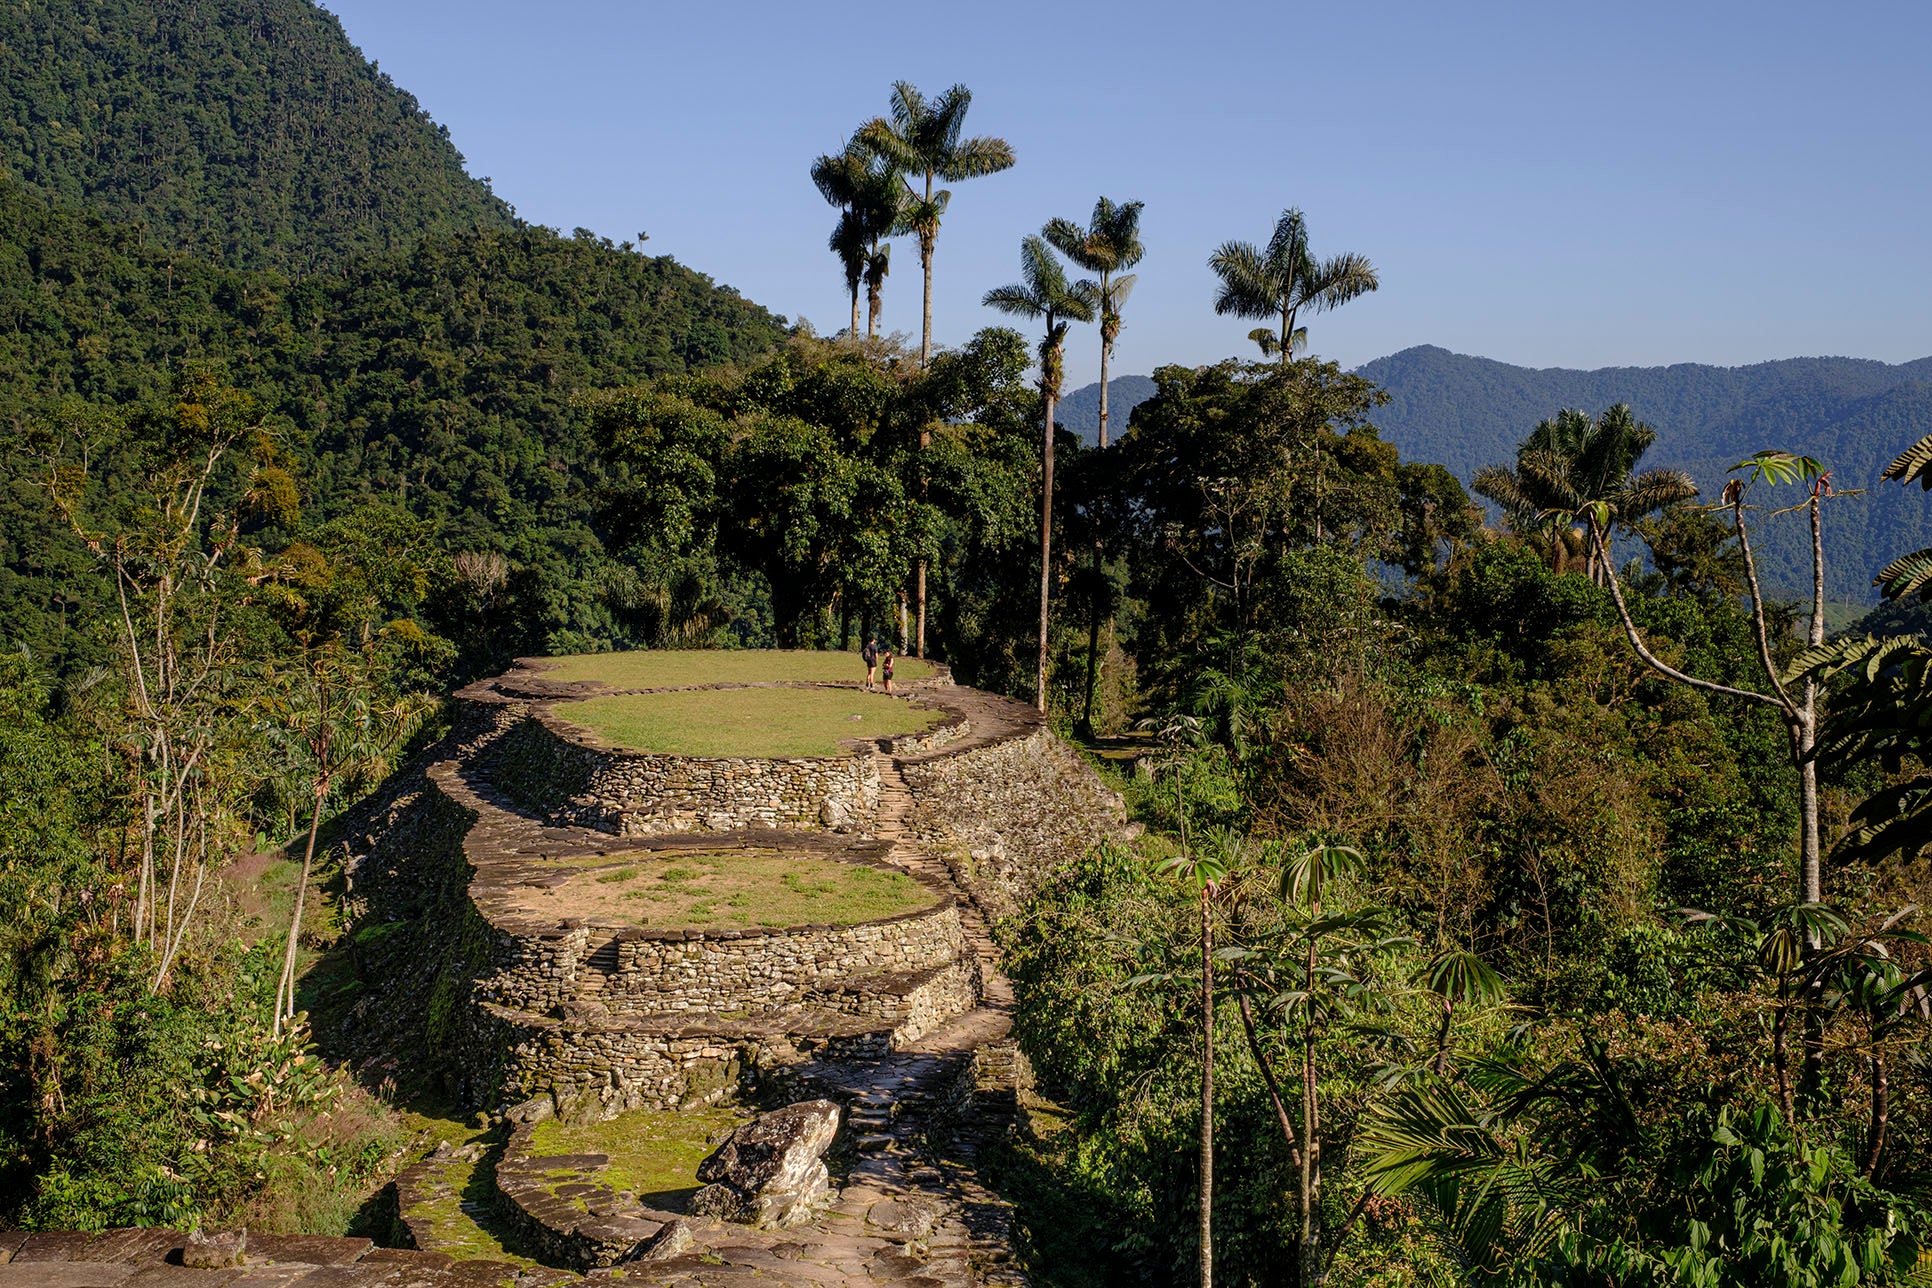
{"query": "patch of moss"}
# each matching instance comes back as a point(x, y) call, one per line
point(653, 1153)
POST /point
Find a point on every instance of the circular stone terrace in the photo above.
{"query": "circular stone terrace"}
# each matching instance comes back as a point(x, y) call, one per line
point(704, 881)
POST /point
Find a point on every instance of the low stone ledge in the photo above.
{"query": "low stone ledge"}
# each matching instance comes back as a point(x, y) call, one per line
point(582, 1224)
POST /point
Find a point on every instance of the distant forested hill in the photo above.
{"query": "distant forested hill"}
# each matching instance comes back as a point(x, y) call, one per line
point(439, 379)
point(1853, 414)
point(250, 132)
point(1079, 411)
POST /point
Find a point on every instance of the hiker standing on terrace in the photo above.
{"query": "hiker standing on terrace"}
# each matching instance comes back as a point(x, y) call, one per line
point(886, 669)
point(870, 656)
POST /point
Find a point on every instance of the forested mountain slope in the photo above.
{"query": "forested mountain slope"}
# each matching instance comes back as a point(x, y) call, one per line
point(440, 379)
point(247, 131)
point(1853, 414)
point(1079, 411)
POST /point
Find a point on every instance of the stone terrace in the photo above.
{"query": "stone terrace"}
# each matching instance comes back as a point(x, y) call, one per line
point(903, 1021)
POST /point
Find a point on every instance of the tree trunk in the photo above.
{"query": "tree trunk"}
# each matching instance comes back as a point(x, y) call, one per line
point(1309, 1249)
point(1813, 875)
point(1207, 1085)
point(1881, 1112)
point(1093, 641)
point(1104, 346)
point(925, 268)
point(287, 986)
point(1046, 546)
point(919, 591)
point(855, 315)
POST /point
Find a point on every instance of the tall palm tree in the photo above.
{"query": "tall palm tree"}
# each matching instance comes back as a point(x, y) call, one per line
point(869, 192)
point(1283, 281)
point(1571, 464)
point(922, 138)
point(1108, 244)
point(1045, 293)
point(848, 243)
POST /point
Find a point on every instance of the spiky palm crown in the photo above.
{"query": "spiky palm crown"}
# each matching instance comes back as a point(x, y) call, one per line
point(1045, 292)
point(922, 137)
point(867, 188)
point(1109, 243)
point(1571, 465)
point(1284, 279)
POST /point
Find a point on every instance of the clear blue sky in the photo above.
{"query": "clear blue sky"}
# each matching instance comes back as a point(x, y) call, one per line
point(1552, 184)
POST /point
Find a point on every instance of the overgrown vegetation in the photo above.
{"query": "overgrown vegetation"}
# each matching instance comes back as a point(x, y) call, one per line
point(1505, 916)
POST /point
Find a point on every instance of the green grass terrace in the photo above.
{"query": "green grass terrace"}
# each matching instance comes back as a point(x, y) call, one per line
point(735, 889)
point(679, 668)
point(755, 723)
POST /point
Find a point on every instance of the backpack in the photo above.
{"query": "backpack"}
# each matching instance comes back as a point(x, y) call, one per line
point(869, 654)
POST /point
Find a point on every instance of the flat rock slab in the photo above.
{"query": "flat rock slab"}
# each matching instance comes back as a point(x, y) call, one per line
point(54, 1245)
point(314, 1249)
point(63, 1274)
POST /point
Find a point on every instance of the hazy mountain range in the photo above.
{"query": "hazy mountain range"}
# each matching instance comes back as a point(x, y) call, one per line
point(1851, 413)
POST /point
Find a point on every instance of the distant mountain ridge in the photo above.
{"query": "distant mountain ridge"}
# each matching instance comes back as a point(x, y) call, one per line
point(250, 132)
point(1854, 414)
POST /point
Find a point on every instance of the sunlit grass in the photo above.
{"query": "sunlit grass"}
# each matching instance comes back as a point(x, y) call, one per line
point(669, 668)
point(735, 890)
point(774, 723)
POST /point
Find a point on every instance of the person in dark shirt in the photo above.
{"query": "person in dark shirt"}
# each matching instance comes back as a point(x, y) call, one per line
point(885, 664)
point(870, 655)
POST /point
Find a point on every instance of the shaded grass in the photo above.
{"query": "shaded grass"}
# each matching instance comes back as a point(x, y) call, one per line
point(774, 723)
point(734, 890)
point(653, 1153)
point(665, 668)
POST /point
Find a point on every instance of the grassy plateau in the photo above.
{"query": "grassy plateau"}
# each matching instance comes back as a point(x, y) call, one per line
point(671, 668)
point(734, 890)
point(774, 723)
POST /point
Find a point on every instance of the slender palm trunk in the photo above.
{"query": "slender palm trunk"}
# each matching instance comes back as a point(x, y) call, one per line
point(1093, 641)
point(925, 267)
point(1812, 876)
point(1310, 1190)
point(925, 358)
point(1046, 539)
point(855, 313)
point(1104, 354)
point(1207, 1085)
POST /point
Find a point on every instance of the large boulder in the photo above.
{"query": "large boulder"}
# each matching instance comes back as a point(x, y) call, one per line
point(770, 1172)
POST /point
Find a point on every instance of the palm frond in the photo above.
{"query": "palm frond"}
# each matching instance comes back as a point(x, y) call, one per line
point(976, 158)
point(1337, 281)
point(1911, 464)
point(1246, 288)
point(1014, 298)
point(1906, 575)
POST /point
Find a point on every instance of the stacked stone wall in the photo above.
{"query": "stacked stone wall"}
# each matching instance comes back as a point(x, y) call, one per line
point(1010, 813)
point(641, 793)
point(636, 971)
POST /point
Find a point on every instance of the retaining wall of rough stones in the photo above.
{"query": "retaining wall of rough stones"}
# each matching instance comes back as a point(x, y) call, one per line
point(596, 1069)
point(913, 1002)
point(1011, 813)
point(638, 971)
point(543, 763)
